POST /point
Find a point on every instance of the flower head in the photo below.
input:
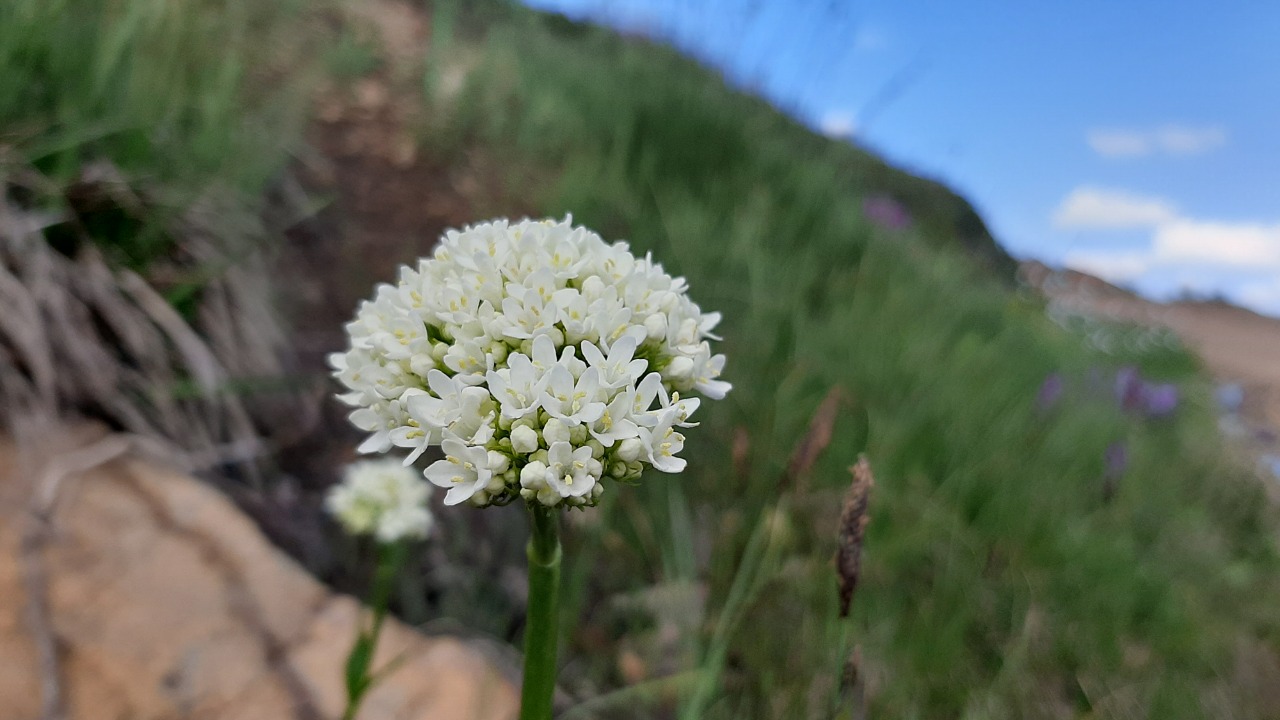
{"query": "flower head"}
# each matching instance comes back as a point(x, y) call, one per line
point(382, 498)
point(537, 356)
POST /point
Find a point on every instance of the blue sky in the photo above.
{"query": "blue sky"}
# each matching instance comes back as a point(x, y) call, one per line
point(1137, 140)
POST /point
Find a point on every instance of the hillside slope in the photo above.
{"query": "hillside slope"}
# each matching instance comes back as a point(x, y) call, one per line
point(1014, 567)
point(1240, 348)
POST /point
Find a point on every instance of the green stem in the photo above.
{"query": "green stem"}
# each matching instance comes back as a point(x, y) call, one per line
point(359, 676)
point(540, 631)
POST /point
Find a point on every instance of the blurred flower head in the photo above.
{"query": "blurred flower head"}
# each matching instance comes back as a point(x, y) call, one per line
point(1116, 460)
point(1050, 391)
point(382, 498)
point(1159, 400)
point(1128, 388)
point(883, 211)
point(1137, 395)
point(538, 357)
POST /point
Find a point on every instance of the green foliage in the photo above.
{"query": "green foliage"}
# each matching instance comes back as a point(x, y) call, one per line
point(999, 581)
point(177, 96)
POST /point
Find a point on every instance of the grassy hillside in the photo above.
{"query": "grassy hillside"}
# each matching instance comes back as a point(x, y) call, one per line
point(999, 580)
point(1030, 553)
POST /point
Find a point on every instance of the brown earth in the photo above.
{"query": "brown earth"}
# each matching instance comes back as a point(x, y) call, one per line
point(1236, 345)
point(134, 591)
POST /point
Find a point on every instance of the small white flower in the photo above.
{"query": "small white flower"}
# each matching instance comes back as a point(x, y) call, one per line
point(615, 422)
point(519, 387)
point(464, 470)
point(381, 498)
point(569, 471)
point(662, 442)
point(570, 401)
point(618, 369)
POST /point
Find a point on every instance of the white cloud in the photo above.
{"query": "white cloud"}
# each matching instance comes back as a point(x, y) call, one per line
point(1119, 143)
point(838, 124)
point(1246, 245)
point(1178, 140)
point(1237, 259)
point(1098, 208)
point(1167, 139)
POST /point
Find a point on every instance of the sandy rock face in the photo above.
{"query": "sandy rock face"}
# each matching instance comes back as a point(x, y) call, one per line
point(164, 601)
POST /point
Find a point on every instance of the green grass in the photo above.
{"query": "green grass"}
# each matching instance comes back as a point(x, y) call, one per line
point(998, 582)
point(184, 99)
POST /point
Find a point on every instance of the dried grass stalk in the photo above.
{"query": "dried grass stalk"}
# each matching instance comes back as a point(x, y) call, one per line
point(815, 440)
point(853, 526)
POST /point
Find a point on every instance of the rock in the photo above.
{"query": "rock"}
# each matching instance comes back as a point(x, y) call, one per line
point(165, 601)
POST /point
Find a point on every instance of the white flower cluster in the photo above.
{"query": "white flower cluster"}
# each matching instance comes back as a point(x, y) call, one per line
point(540, 358)
point(382, 498)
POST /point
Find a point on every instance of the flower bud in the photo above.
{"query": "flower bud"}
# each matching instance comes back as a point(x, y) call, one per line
point(533, 476)
point(504, 422)
point(496, 484)
point(592, 287)
point(629, 450)
point(421, 364)
point(679, 369)
point(524, 439)
point(555, 431)
point(498, 351)
point(669, 302)
point(578, 435)
point(498, 462)
point(688, 333)
point(597, 450)
point(617, 469)
point(548, 496)
point(480, 499)
point(655, 326)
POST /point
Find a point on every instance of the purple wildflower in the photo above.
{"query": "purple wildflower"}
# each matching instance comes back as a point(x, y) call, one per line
point(885, 212)
point(1129, 388)
point(1050, 391)
point(1159, 400)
